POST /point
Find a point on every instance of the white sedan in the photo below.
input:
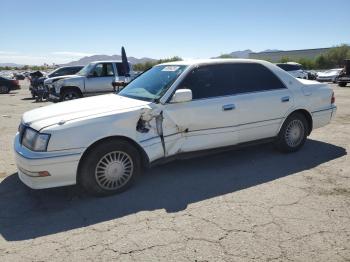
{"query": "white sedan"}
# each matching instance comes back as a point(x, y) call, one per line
point(104, 142)
point(329, 75)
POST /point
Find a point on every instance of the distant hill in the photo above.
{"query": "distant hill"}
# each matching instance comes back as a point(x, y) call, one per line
point(277, 55)
point(246, 53)
point(241, 54)
point(10, 64)
point(88, 59)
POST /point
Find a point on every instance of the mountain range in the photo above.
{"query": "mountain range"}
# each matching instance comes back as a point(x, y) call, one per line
point(87, 59)
point(245, 53)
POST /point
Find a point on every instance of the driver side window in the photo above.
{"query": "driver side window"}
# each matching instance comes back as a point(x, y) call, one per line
point(201, 82)
point(103, 70)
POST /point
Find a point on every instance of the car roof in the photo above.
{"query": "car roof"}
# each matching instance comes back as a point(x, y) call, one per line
point(114, 61)
point(70, 66)
point(215, 61)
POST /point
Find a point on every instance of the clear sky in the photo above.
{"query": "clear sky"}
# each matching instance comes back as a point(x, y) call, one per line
point(34, 32)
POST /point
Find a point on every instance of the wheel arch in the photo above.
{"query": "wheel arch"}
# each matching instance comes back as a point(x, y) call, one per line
point(307, 116)
point(144, 157)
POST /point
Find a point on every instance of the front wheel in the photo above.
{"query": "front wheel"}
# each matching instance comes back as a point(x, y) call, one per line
point(110, 168)
point(70, 94)
point(293, 133)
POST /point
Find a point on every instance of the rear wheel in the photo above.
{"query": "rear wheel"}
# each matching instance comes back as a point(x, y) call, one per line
point(110, 168)
point(293, 133)
point(4, 89)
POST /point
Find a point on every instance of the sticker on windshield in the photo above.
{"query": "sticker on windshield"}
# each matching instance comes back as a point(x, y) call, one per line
point(170, 68)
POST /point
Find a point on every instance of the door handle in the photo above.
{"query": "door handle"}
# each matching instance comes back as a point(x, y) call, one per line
point(285, 99)
point(228, 107)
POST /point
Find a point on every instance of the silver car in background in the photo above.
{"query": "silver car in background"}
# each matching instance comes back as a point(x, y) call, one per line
point(329, 75)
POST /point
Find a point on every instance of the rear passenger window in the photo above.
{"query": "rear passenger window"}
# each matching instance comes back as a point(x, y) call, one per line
point(230, 79)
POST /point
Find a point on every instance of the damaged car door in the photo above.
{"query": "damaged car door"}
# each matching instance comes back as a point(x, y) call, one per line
point(208, 120)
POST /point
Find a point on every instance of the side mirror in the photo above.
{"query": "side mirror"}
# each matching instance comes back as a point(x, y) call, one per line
point(181, 95)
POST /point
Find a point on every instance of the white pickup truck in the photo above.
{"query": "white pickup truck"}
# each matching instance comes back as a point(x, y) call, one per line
point(96, 77)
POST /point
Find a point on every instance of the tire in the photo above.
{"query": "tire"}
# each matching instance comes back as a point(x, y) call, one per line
point(109, 168)
point(342, 84)
point(70, 94)
point(293, 133)
point(4, 90)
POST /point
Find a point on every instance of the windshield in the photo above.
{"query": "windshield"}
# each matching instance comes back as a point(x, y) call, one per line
point(152, 84)
point(85, 70)
point(52, 73)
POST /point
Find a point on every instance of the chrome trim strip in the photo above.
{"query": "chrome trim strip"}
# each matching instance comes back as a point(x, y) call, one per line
point(330, 108)
point(46, 157)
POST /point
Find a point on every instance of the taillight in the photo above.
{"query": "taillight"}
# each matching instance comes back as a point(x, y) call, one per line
point(333, 98)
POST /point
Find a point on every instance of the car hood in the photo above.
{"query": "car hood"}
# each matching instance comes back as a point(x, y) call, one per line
point(53, 79)
point(81, 108)
point(327, 74)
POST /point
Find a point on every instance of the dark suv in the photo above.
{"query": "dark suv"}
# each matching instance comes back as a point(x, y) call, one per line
point(59, 72)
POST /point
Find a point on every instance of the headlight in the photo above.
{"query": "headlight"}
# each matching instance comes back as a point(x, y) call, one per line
point(34, 140)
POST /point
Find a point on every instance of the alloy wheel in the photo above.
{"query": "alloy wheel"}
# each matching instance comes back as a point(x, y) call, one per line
point(294, 133)
point(114, 170)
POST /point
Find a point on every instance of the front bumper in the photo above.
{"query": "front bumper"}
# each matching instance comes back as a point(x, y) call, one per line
point(61, 165)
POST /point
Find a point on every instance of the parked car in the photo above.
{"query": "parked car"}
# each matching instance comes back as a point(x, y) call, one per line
point(19, 76)
point(104, 142)
point(294, 69)
point(65, 72)
point(96, 77)
point(311, 74)
point(329, 75)
point(39, 87)
point(34, 78)
point(344, 76)
point(6, 85)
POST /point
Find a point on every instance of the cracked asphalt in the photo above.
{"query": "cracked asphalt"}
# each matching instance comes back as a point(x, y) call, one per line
point(250, 204)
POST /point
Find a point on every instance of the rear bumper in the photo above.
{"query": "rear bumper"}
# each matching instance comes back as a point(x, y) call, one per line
point(323, 117)
point(62, 166)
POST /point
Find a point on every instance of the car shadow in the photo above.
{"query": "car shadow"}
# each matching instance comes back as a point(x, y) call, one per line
point(28, 98)
point(27, 213)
